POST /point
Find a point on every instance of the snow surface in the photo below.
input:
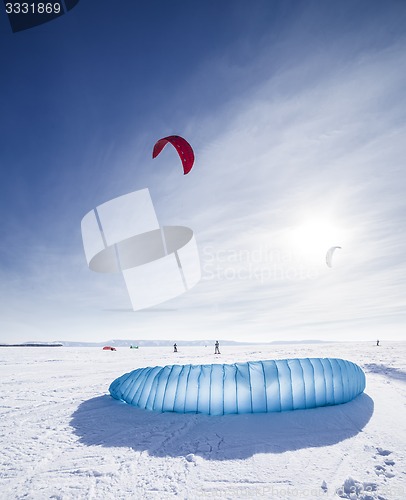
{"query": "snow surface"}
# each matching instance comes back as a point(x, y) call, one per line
point(63, 437)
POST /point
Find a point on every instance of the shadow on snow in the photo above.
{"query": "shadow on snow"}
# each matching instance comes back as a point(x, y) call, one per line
point(386, 371)
point(104, 421)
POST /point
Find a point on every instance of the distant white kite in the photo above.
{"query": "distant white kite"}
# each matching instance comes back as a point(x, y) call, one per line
point(123, 235)
point(329, 256)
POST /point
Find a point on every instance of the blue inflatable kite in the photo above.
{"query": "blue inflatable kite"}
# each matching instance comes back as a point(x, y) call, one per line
point(252, 387)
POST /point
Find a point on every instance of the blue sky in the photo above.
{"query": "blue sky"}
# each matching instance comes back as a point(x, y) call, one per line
point(297, 115)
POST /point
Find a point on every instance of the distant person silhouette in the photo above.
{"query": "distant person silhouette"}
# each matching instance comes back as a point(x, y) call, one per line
point(377, 342)
point(175, 348)
point(216, 347)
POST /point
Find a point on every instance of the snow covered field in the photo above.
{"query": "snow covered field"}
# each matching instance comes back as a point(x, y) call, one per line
point(63, 437)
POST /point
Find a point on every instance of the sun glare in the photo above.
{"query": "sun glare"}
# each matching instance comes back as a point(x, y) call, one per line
point(314, 236)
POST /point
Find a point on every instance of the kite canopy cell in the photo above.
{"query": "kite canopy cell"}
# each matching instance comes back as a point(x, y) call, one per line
point(252, 387)
point(183, 148)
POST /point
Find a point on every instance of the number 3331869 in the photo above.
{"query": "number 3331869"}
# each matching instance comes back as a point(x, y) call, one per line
point(33, 8)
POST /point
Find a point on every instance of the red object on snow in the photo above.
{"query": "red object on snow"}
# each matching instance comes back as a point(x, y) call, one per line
point(109, 348)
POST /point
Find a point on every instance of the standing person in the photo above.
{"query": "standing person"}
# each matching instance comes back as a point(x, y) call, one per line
point(377, 342)
point(175, 347)
point(216, 347)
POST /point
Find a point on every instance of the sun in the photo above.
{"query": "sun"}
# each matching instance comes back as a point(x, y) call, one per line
point(312, 237)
